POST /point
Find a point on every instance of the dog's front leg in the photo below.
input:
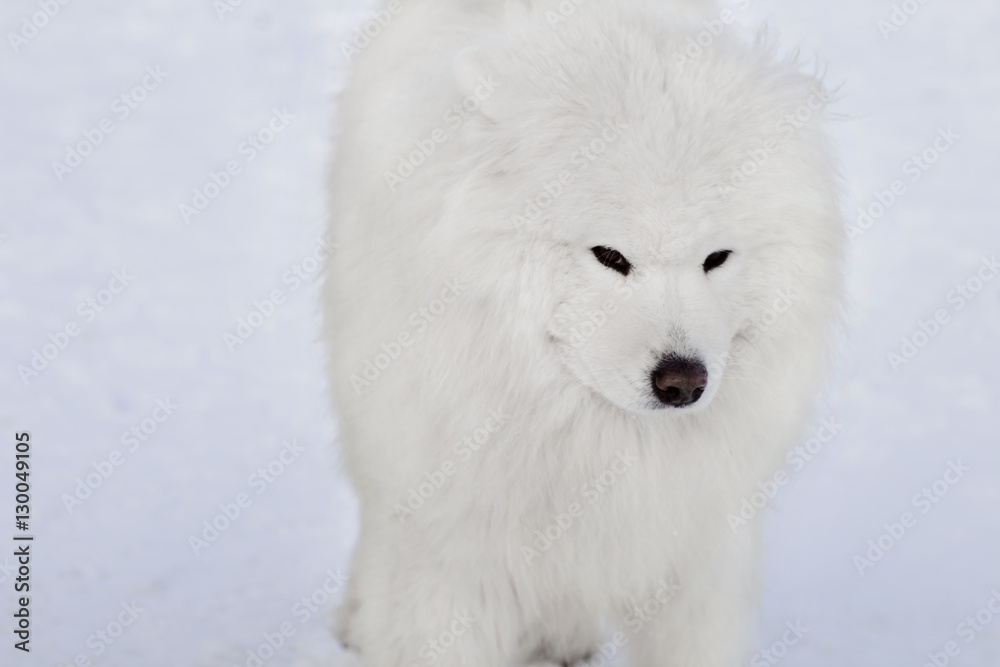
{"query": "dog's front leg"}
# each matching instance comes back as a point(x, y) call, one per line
point(407, 609)
point(706, 620)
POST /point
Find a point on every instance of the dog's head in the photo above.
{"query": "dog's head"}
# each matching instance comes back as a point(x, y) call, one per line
point(678, 204)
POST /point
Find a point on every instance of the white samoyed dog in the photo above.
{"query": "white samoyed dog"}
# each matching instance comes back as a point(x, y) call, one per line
point(588, 270)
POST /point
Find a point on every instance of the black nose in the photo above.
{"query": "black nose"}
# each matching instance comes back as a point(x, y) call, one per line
point(678, 381)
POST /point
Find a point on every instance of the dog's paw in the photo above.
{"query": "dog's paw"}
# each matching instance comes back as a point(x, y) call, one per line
point(341, 629)
point(578, 662)
point(347, 656)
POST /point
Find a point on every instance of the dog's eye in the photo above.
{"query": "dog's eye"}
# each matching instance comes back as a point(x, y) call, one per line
point(612, 259)
point(716, 259)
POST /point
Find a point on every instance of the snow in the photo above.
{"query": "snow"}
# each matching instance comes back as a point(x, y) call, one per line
point(161, 337)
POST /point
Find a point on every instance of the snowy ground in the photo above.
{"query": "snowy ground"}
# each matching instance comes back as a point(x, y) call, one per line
point(160, 338)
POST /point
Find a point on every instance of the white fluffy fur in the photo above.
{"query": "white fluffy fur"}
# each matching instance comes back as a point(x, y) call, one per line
point(576, 397)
